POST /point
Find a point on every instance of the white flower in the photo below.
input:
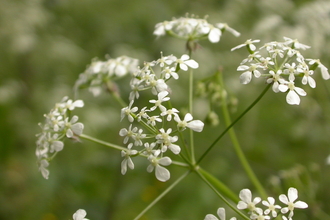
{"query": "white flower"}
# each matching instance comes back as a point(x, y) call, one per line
point(246, 200)
point(249, 43)
point(188, 122)
point(324, 70)
point(224, 26)
point(127, 111)
point(158, 103)
point(127, 162)
point(221, 213)
point(290, 202)
point(292, 97)
point(271, 207)
point(170, 71)
point(80, 215)
point(167, 141)
point(214, 35)
point(276, 80)
point(73, 128)
point(162, 174)
point(258, 214)
point(184, 62)
point(43, 164)
point(246, 77)
point(308, 79)
point(295, 43)
point(170, 112)
point(128, 133)
point(153, 119)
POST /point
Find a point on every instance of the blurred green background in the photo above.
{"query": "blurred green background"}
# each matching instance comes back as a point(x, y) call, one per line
point(45, 44)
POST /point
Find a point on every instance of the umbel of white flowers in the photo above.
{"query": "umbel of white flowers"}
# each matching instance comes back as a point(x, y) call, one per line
point(270, 209)
point(58, 125)
point(153, 138)
point(282, 64)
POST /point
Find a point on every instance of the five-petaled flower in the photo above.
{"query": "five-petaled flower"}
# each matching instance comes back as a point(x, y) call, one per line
point(290, 202)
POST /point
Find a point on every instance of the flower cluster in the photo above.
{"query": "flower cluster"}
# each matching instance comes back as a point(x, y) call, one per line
point(155, 118)
point(58, 124)
point(99, 73)
point(193, 29)
point(271, 210)
point(281, 64)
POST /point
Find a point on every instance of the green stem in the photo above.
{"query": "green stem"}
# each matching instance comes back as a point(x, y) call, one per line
point(191, 133)
point(234, 122)
point(161, 195)
point(241, 156)
point(89, 138)
point(217, 186)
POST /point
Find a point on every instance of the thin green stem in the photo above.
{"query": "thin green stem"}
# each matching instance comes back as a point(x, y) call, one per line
point(233, 123)
point(191, 133)
point(161, 195)
point(217, 186)
point(104, 143)
point(239, 152)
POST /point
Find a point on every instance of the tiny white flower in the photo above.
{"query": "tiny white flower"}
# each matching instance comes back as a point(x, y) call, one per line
point(308, 79)
point(158, 103)
point(246, 200)
point(80, 215)
point(249, 43)
point(43, 164)
point(271, 207)
point(324, 70)
point(295, 43)
point(290, 202)
point(276, 80)
point(127, 162)
point(188, 122)
point(170, 112)
point(167, 141)
point(221, 213)
point(162, 174)
point(258, 215)
point(292, 97)
point(127, 111)
point(153, 119)
point(246, 77)
point(73, 128)
point(184, 62)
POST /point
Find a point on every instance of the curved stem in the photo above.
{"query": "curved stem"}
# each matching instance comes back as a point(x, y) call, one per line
point(104, 143)
point(191, 133)
point(216, 185)
point(241, 156)
point(161, 195)
point(233, 123)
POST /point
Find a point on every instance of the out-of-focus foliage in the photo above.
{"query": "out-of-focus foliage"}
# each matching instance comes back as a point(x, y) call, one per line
point(44, 45)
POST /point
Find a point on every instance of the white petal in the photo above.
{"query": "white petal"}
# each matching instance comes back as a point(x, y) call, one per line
point(162, 174)
point(77, 128)
point(210, 217)
point(292, 98)
point(79, 214)
point(300, 91)
point(245, 195)
point(165, 161)
point(188, 117)
point(78, 103)
point(58, 145)
point(196, 125)
point(292, 194)
point(311, 82)
point(283, 198)
point(214, 35)
point(192, 63)
point(221, 213)
point(242, 68)
point(300, 205)
point(283, 88)
point(242, 205)
point(174, 148)
point(124, 166)
point(245, 77)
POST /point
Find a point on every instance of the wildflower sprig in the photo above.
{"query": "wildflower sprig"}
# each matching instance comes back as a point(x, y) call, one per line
point(281, 63)
point(269, 210)
point(59, 124)
point(156, 134)
point(193, 29)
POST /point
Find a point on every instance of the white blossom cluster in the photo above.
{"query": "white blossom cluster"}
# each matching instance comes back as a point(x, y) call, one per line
point(58, 124)
point(155, 136)
point(270, 210)
point(101, 72)
point(282, 64)
point(193, 29)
